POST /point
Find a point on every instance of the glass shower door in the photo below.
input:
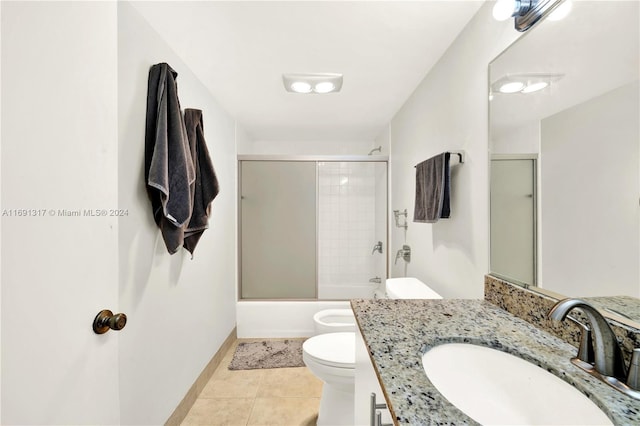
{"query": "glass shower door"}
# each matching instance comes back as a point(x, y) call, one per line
point(352, 203)
point(278, 230)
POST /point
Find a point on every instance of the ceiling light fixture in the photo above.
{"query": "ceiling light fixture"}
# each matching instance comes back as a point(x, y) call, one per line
point(528, 12)
point(320, 83)
point(524, 83)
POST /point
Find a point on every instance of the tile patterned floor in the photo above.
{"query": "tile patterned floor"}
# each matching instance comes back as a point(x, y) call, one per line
point(280, 396)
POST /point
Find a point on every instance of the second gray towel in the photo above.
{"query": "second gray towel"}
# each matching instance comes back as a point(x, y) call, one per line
point(432, 189)
point(206, 185)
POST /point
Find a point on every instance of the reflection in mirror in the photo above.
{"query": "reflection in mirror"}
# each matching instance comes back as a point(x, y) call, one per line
point(567, 95)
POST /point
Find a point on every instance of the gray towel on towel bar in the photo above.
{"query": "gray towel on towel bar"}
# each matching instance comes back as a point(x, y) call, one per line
point(205, 187)
point(432, 189)
point(169, 171)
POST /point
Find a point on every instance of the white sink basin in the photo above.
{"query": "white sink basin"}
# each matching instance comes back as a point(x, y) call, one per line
point(493, 387)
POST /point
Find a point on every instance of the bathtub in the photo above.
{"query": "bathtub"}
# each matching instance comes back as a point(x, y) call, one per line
point(345, 291)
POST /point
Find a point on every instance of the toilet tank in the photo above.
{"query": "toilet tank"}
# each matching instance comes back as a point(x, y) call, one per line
point(409, 288)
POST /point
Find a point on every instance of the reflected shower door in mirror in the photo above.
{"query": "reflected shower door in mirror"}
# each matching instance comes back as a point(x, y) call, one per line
point(312, 229)
point(513, 218)
point(577, 108)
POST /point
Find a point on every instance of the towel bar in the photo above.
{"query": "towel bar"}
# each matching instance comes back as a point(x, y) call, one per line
point(460, 154)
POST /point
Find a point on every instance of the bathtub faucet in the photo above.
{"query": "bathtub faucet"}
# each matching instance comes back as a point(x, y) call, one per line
point(404, 253)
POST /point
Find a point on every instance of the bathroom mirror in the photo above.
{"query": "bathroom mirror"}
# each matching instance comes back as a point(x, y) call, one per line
point(565, 158)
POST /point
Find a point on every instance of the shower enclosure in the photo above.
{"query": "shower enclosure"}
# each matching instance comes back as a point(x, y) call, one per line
point(312, 228)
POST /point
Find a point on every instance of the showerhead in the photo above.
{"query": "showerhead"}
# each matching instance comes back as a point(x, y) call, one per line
point(379, 149)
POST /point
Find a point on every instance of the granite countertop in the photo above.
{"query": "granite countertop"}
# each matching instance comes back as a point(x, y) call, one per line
point(398, 332)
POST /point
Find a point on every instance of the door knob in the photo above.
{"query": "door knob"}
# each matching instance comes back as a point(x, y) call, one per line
point(106, 320)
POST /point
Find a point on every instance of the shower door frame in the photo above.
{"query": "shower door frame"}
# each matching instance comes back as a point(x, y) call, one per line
point(313, 159)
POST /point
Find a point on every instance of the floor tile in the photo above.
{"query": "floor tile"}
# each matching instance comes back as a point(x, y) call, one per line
point(219, 411)
point(233, 384)
point(289, 382)
point(284, 411)
point(280, 396)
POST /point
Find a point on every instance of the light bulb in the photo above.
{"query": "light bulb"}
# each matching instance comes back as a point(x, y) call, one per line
point(561, 11)
point(301, 87)
point(512, 87)
point(324, 87)
point(534, 87)
point(504, 9)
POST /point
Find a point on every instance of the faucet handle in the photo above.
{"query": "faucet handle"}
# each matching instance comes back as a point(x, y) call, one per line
point(377, 247)
point(585, 349)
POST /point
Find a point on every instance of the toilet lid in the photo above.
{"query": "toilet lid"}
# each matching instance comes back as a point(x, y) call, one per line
point(332, 349)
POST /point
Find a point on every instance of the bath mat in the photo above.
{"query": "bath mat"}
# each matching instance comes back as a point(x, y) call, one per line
point(268, 354)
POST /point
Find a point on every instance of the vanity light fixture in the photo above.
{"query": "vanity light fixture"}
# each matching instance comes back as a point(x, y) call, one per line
point(528, 12)
point(319, 83)
point(523, 83)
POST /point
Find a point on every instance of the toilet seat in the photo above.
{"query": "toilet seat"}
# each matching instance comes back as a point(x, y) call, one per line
point(337, 350)
point(334, 320)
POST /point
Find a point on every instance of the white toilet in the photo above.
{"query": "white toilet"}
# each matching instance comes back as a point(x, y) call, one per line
point(330, 355)
point(332, 358)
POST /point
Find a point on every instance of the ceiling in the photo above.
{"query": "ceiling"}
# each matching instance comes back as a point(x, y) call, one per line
point(240, 50)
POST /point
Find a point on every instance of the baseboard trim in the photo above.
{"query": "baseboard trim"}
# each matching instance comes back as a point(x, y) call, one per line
point(189, 399)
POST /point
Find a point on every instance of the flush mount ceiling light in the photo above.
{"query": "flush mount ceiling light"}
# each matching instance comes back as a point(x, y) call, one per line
point(524, 83)
point(320, 83)
point(528, 12)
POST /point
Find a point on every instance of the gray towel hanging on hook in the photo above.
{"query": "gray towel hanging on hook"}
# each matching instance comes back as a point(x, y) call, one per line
point(169, 171)
point(206, 186)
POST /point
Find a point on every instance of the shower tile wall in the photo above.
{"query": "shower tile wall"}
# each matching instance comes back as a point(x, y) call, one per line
point(346, 230)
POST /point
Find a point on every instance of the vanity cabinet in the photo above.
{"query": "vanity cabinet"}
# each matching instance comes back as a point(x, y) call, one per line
point(366, 383)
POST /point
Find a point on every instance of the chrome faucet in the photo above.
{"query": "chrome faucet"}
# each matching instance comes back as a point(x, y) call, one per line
point(605, 361)
point(404, 253)
point(377, 247)
point(376, 280)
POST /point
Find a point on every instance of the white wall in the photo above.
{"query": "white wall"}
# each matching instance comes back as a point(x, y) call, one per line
point(524, 139)
point(180, 309)
point(243, 140)
point(258, 147)
point(59, 151)
point(589, 220)
point(449, 111)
